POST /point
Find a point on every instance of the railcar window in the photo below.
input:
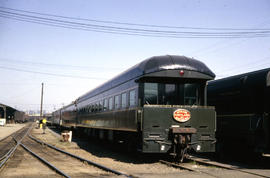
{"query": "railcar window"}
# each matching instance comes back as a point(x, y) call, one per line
point(105, 107)
point(100, 105)
point(132, 98)
point(191, 94)
point(151, 93)
point(89, 109)
point(92, 108)
point(110, 103)
point(117, 102)
point(97, 106)
point(170, 93)
point(124, 100)
point(173, 94)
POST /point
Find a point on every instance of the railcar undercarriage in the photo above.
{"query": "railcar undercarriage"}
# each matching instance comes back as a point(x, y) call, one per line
point(181, 142)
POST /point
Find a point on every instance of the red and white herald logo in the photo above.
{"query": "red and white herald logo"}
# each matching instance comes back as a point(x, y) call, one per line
point(181, 115)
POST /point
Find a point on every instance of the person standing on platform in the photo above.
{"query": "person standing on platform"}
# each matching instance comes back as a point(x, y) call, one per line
point(44, 121)
point(37, 122)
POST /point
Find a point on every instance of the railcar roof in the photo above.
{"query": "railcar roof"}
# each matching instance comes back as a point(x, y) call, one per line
point(237, 77)
point(150, 65)
point(172, 62)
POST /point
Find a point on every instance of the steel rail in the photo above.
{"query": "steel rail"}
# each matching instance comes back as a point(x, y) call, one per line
point(81, 159)
point(8, 156)
point(3, 157)
point(12, 150)
point(185, 167)
point(220, 165)
point(45, 161)
point(40, 158)
point(178, 166)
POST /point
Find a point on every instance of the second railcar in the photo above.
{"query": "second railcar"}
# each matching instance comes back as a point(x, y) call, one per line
point(68, 115)
point(158, 106)
point(243, 111)
point(56, 118)
point(19, 117)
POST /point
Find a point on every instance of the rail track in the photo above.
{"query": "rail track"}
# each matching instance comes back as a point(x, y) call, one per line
point(186, 166)
point(8, 145)
point(60, 162)
point(79, 158)
point(207, 162)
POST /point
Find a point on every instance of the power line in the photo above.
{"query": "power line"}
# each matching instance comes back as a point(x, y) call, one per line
point(131, 24)
point(130, 31)
point(58, 65)
point(23, 94)
point(86, 29)
point(36, 83)
point(247, 67)
point(223, 41)
point(135, 33)
point(51, 74)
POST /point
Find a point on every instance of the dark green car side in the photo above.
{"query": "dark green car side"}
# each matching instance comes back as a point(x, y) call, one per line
point(157, 106)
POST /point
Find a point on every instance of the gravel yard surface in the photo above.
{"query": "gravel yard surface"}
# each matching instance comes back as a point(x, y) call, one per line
point(23, 164)
point(137, 165)
point(9, 129)
point(120, 162)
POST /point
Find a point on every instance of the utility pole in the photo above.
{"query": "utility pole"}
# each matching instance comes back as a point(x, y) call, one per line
point(41, 100)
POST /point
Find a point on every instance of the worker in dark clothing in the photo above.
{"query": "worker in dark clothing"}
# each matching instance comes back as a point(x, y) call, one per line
point(40, 123)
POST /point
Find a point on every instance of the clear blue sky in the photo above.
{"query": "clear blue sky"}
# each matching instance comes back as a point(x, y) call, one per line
point(91, 58)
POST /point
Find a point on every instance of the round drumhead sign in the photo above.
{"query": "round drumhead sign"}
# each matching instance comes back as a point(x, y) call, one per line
point(181, 115)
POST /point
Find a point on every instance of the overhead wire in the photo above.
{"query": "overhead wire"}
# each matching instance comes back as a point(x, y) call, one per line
point(247, 66)
point(23, 94)
point(257, 62)
point(51, 74)
point(224, 43)
point(130, 24)
point(121, 32)
point(56, 22)
point(80, 68)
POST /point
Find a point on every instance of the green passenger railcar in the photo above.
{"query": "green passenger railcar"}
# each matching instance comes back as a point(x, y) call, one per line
point(157, 106)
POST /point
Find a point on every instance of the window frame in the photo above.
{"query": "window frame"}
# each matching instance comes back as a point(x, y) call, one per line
point(111, 103)
point(186, 93)
point(124, 99)
point(106, 104)
point(117, 102)
point(130, 99)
